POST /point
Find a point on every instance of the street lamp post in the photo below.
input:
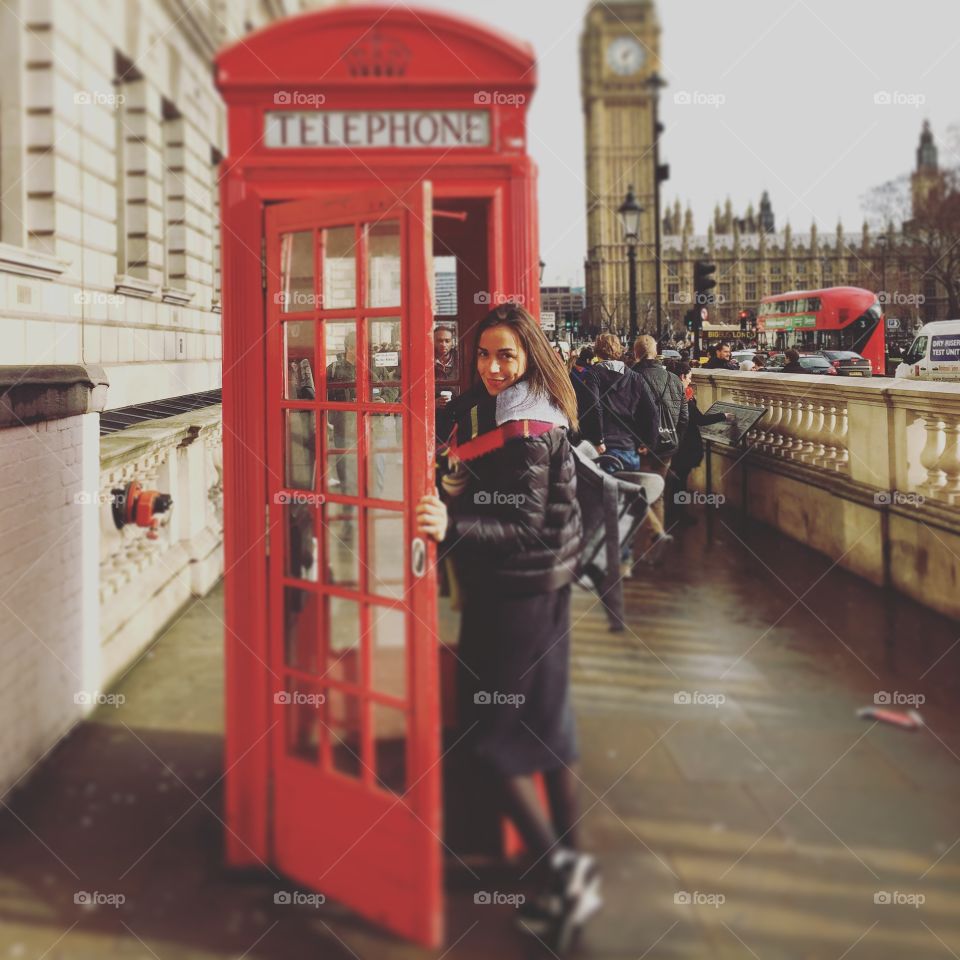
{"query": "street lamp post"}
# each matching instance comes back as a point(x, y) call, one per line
point(630, 212)
point(655, 83)
point(882, 243)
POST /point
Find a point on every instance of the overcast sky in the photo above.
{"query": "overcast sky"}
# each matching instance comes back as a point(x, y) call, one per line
point(799, 118)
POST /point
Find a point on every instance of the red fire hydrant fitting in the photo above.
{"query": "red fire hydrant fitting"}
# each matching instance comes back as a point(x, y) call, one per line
point(133, 504)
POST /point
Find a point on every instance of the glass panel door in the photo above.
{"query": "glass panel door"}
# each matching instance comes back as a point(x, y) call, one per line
point(353, 625)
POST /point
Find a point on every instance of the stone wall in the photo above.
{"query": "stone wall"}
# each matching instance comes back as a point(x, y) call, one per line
point(49, 609)
point(867, 472)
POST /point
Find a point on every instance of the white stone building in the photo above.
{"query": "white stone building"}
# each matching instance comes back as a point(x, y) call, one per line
point(110, 135)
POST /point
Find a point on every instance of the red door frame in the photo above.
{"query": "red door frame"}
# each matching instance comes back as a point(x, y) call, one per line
point(329, 830)
point(449, 59)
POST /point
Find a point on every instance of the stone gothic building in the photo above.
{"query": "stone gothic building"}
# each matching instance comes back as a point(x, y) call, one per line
point(754, 259)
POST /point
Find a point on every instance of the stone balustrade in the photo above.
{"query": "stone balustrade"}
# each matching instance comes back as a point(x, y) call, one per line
point(867, 471)
point(143, 581)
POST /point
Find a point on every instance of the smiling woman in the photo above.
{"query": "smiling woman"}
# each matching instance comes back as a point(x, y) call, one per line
point(512, 524)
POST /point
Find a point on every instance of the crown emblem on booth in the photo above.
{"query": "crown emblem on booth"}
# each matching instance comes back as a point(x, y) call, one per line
point(378, 56)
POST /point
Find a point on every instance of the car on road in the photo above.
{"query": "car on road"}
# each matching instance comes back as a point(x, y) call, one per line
point(848, 364)
point(812, 363)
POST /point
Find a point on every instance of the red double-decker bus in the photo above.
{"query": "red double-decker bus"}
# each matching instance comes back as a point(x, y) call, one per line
point(837, 318)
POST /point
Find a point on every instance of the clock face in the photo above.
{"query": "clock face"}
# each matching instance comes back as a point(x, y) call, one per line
point(625, 56)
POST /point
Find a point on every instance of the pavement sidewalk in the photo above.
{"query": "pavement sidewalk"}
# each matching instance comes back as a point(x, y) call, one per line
point(739, 807)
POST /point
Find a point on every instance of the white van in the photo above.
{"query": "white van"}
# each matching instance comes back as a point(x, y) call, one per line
point(934, 353)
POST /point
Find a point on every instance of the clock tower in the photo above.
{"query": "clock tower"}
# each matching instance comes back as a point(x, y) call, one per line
point(619, 53)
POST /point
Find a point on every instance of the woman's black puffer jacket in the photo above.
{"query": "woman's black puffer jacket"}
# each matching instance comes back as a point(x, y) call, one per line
point(516, 528)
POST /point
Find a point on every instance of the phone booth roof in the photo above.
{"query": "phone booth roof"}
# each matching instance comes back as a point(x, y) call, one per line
point(368, 80)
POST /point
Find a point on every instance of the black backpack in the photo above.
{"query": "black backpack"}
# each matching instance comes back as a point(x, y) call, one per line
point(668, 442)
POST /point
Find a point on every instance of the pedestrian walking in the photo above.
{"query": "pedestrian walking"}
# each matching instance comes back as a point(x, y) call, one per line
point(793, 362)
point(673, 415)
point(620, 417)
point(578, 374)
point(510, 519)
point(721, 358)
point(690, 453)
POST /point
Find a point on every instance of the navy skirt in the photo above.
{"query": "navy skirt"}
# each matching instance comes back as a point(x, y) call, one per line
point(513, 681)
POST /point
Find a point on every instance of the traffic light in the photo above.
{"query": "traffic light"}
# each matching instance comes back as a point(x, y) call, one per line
point(747, 319)
point(691, 319)
point(703, 282)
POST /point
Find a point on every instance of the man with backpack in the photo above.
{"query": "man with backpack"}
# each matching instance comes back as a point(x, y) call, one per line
point(673, 416)
point(619, 415)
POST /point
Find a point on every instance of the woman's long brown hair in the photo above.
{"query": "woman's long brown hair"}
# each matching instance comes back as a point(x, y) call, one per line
point(546, 373)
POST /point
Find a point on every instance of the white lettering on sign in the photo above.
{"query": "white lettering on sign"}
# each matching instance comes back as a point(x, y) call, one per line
point(359, 129)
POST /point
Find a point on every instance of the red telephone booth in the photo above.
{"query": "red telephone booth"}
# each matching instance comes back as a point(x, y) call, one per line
point(377, 197)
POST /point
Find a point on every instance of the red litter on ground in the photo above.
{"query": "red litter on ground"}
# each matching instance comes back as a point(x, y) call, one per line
point(908, 719)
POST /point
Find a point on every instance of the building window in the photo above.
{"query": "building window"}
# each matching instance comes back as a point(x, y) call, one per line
point(129, 119)
point(215, 159)
point(750, 268)
point(12, 186)
point(673, 292)
point(750, 292)
point(140, 223)
point(174, 198)
point(776, 269)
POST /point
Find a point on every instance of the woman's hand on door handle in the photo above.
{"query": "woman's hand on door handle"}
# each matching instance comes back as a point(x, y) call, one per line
point(432, 517)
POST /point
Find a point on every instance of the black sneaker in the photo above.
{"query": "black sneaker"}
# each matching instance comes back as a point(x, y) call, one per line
point(570, 898)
